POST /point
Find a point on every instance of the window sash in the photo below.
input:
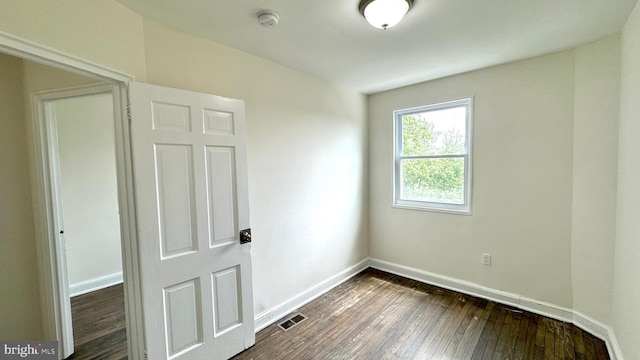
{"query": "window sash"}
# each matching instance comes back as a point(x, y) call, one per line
point(398, 187)
point(417, 157)
point(400, 129)
point(464, 208)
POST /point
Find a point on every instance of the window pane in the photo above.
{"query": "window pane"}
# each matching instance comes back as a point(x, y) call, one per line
point(434, 132)
point(435, 180)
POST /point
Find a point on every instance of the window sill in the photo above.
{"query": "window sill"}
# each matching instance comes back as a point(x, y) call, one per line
point(432, 209)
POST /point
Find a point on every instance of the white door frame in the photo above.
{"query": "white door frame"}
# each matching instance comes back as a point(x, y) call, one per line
point(44, 123)
point(52, 288)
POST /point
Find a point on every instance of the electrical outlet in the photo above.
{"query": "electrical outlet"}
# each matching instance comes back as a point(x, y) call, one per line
point(486, 259)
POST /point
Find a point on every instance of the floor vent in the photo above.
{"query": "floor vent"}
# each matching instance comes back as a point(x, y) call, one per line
point(292, 321)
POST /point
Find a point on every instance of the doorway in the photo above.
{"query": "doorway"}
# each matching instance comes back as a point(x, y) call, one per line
point(230, 284)
point(80, 131)
point(54, 288)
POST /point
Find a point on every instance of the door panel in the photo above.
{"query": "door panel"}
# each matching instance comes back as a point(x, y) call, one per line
point(190, 172)
point(171, 117)
point(227, 300)
point(222, 194)
point(183, 312)
point(218, 122)
point(176, 199)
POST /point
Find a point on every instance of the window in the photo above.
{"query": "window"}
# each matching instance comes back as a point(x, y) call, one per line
point(432, 155)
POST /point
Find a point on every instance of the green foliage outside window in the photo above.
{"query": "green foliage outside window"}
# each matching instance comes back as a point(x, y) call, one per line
point(434, 179)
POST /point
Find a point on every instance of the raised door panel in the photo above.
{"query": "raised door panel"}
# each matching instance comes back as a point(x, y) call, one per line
point(183, 314)
point(221, 176)
point(227, 300)
point(176, 199)
point(218, 122)
point(172, 117)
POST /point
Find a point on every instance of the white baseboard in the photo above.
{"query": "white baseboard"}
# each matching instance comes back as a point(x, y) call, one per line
point(467, 287)
point(600, 330)
point(94, 284)
point(271, 315)
point(615, 353)
point(594, 327)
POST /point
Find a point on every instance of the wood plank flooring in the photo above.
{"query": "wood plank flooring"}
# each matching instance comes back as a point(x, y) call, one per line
point(99, 325)
point(377, 315)
point(374, 315)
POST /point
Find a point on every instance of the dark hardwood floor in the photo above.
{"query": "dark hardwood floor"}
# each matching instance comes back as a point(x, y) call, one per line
point(377, 315)
point(99, 325)
point(374, 315)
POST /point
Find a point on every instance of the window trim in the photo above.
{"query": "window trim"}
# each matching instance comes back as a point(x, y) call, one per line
point(397, 202)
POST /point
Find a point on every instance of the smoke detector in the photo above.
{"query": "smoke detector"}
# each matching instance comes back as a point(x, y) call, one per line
point(268, 19)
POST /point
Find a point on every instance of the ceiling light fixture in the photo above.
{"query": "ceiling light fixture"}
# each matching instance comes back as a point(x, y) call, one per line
point(383, 14)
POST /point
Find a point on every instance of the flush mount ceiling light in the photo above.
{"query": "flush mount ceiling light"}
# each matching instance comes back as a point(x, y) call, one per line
point(383, 14)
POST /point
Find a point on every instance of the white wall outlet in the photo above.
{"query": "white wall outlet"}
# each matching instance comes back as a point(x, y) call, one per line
point(486, 259)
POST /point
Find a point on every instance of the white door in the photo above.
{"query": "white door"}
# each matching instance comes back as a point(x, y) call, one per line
point(190, 171)
point(50, 122)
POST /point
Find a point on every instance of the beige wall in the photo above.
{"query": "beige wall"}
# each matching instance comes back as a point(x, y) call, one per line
point(595, 153)
point(87, 154)
point(522, 181)
point(309, 181)
point(306, 153)
point(38, 77)
point(101, 31)
point(19, 281)
point(19, 296)
point(306, 137)
point(626, 294)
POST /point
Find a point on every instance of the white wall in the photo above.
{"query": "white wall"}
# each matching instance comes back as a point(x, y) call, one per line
point(306, 154)
point(626, 289)
point(307, 138)
point(86, 145)
point(104, 31)
point(595, 159)
point(522, 181)
point(20, 317)
point(308, 167)
point(19, 296)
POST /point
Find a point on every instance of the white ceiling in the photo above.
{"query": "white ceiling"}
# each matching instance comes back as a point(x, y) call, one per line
point(437, 38)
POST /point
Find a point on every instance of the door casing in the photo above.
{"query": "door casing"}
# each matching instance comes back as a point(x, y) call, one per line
point(44, 122)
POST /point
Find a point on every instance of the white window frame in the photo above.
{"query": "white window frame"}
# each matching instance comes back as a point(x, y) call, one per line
point(465, 208)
